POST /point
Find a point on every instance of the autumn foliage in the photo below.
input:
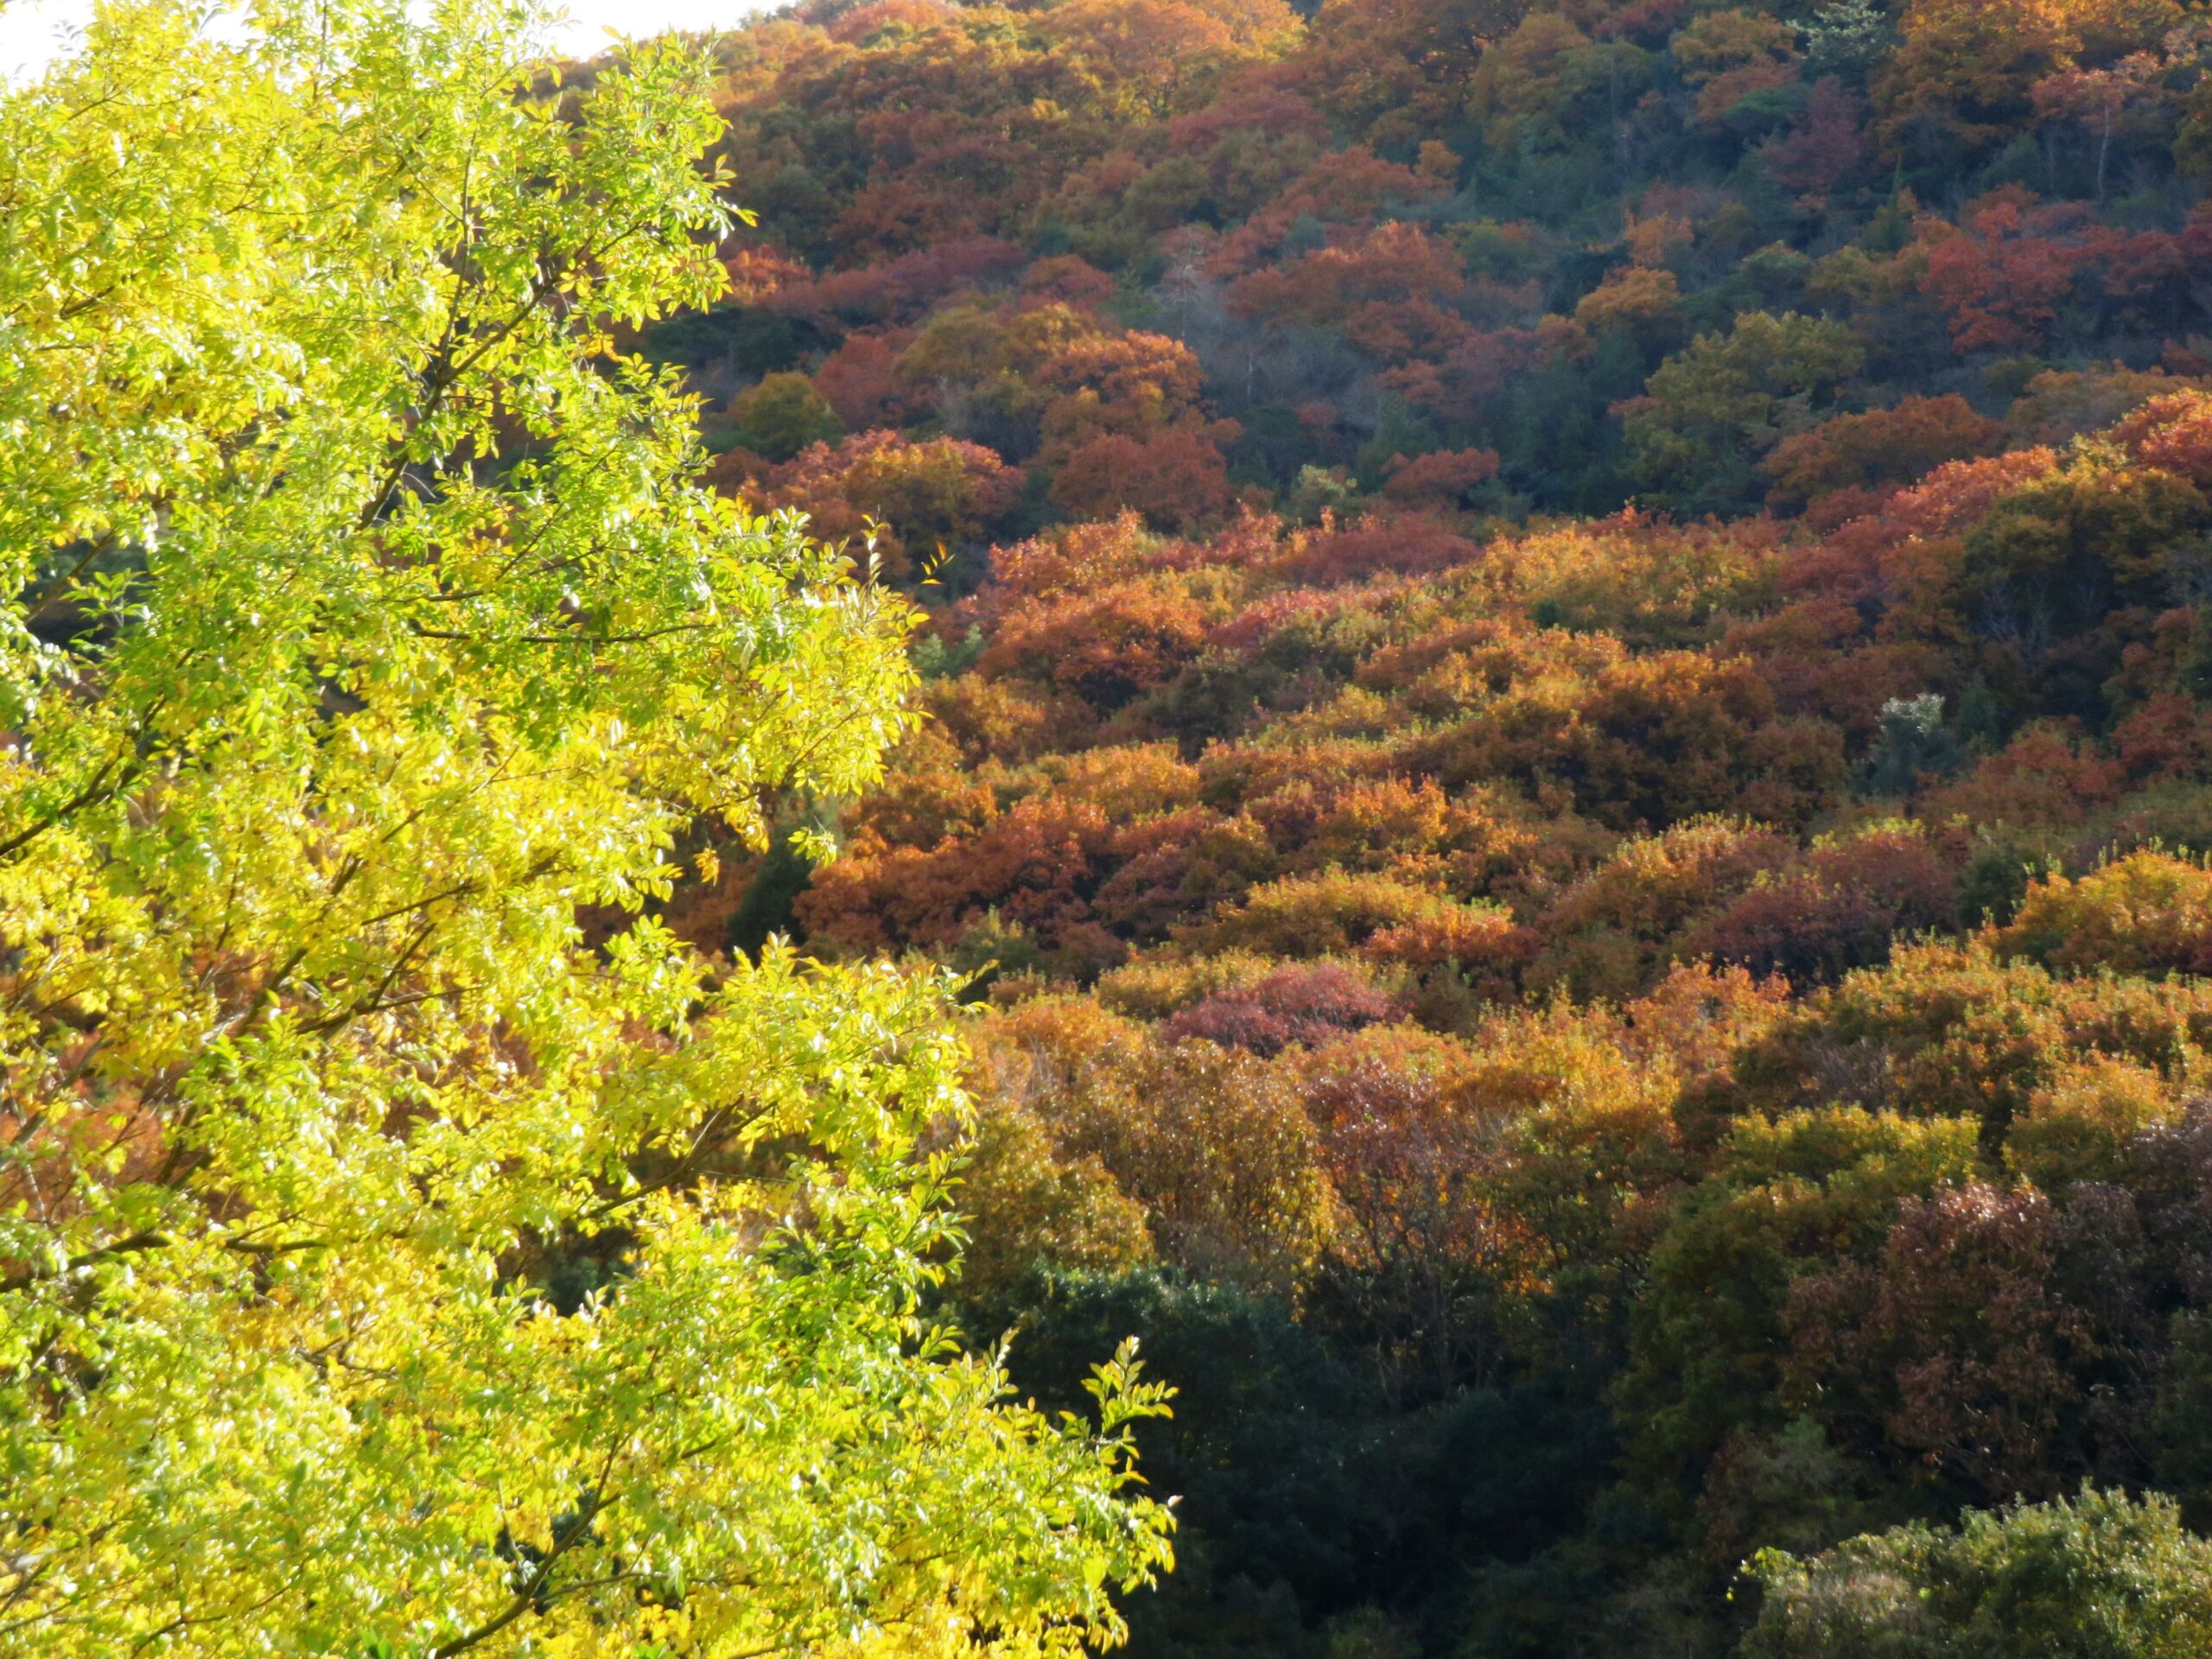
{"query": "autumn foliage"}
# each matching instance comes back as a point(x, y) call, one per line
point(1569, 740)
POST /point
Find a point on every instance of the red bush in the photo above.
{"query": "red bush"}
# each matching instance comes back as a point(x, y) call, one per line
point(1306, 1006)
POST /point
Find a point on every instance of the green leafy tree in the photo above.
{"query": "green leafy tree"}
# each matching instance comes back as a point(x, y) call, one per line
point(1711, 412)
point(780, 414)
point(2100, 1576)
point(385, 1265)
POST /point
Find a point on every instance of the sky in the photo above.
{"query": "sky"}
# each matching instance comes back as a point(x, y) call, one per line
point(32, 31)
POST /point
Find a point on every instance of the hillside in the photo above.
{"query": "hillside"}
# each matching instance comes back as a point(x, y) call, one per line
point(1567, 669)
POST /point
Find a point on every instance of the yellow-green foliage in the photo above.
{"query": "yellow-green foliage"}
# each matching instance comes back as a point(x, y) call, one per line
point(384, 1267)
point(2148, 913)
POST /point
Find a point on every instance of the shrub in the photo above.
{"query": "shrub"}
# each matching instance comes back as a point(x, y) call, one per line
point(2098, 1576)
point(1306, 1006)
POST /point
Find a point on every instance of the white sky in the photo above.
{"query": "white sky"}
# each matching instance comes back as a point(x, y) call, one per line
point(32, 32)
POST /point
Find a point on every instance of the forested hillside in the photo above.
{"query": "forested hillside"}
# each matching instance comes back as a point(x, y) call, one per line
point(1514, 706)
point(1567, 737)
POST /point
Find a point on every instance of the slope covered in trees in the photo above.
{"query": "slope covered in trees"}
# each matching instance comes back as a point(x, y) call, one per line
point(1547, 670)
point(1567, 732)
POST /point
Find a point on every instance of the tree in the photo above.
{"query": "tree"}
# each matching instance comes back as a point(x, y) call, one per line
point(1543, 80)
point(1838, 910)
point(2174, 434)
point(1625, 921)
point(1032, 865)
point(2098, 1576)
point(782, 414)
point(1645, 300)
point(1307, 1006)
point(1824, 149)
point(1784, 1200)
point(1156, 57)
point(1962, 76)
point(1710, 411)
point(1845, 39)
point(2106, 102)
point(923, 494)
point(1731, 56)
point(1419, 1259)
point(2057, 553)
point(384, 1265)
point(1351, 187)
point(1954, 1347)
point(1862, 457)
point(1444, 476)
point(1214, 1143)
point(2061, 404)
point(2001, 271)
point(1334, 914)
point(858, 382)
point(2149, 913)
point(1176, 479)
point(1392, 264)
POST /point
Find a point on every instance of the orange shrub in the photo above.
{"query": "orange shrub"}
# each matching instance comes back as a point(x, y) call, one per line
point(935, 493)
point(1175, 869)
point(1335, 913)
point(1106, 646)
point(1175, 481)
point(1213, 1143)
point(2172, 432)
point(1867, 456)
point(1034, 865)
